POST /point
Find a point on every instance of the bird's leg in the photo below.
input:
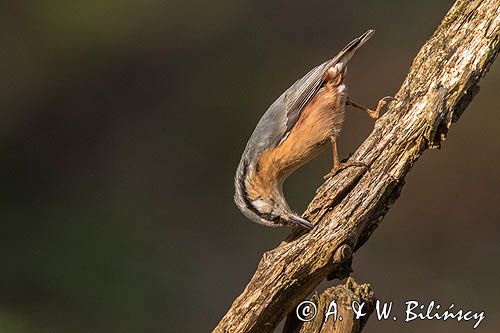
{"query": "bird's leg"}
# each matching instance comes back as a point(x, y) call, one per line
point(335, 155)
point(338, 165)
point(374, 114)
point(335, 160)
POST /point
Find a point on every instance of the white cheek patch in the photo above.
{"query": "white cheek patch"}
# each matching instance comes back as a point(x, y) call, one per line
point(262, 206)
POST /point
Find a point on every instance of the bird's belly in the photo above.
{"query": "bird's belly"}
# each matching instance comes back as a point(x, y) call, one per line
point(320, 122)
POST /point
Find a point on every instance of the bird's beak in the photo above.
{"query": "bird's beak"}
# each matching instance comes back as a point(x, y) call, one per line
point(301, 222)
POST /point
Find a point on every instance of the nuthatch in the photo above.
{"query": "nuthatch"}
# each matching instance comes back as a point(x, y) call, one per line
point(295, 128)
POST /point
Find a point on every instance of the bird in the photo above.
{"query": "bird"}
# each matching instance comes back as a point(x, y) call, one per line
point(294, 129)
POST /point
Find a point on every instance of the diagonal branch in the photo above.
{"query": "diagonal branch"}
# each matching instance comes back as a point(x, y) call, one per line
point(337, 319)
point(348, 207)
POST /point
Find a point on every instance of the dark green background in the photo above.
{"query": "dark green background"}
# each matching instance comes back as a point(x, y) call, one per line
point(121, 126)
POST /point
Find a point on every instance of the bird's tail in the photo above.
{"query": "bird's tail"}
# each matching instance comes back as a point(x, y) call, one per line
point(341, 60)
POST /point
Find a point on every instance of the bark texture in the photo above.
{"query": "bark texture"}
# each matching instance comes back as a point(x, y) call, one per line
point(337, 317)
point(348, 207)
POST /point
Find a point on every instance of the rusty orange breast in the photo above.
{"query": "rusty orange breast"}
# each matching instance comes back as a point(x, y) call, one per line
point(320, 122)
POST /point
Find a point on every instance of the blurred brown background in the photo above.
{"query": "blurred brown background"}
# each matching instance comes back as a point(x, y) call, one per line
point(121, 127)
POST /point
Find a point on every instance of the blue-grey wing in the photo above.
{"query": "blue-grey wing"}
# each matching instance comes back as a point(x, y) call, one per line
point(301, 92)
point(283, 114)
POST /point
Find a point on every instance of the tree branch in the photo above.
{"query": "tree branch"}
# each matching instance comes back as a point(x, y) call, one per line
point(348, 207)
point(339, 318)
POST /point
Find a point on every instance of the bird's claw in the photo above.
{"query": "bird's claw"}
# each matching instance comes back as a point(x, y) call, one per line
point(342, 166)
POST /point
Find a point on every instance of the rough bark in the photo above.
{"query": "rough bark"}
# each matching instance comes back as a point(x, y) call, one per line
point(348, 207)
point(337, 317)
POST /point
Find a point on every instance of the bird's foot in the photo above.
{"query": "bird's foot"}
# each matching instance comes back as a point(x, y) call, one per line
point(342, 166)
point(374, 114)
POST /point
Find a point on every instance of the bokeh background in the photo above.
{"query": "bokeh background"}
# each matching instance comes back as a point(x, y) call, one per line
point(121, 126)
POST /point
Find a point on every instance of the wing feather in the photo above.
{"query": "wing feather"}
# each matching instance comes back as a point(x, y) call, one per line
point(302, 91)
